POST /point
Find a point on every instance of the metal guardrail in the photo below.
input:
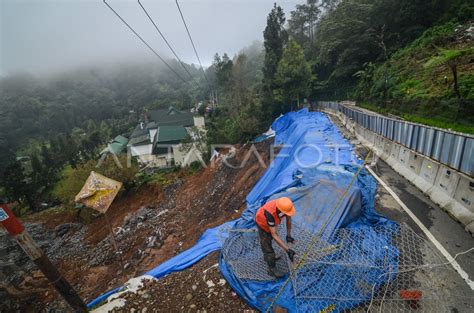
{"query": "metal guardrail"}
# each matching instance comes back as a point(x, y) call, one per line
point(453, 149)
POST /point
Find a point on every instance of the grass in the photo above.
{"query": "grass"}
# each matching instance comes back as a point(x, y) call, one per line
point(166, 177)
point(429, 121)
point(462, 128)
point(419, 94)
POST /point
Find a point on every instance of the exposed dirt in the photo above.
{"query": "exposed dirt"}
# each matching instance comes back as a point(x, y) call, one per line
point(197, 289)
point(151, 225)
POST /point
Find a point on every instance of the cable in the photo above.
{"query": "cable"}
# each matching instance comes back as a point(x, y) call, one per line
point(144, 42)
point(316, 236)
point(192, 42)
point(413, 269)
point(164, 38)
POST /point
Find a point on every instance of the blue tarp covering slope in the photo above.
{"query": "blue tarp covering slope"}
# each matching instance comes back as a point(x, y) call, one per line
point(313, 167)
point(317, 162)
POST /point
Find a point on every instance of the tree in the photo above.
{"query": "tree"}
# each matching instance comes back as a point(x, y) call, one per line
point(275, 38)
point(223, 72)
point(450, 58)
point(18, 186)
point(365, 79)
point(293, 75)
point(302, 22)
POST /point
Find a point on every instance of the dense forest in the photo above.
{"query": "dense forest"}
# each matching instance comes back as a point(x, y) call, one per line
point(413, 58)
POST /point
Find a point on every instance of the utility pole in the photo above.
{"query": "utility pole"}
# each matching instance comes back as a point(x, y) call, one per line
point(16, 229)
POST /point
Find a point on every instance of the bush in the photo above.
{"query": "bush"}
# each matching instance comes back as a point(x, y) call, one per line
point(72, 180)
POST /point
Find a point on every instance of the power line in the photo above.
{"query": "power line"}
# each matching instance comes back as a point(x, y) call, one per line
point(192, 42)
point(164, 38)
point(144, 42)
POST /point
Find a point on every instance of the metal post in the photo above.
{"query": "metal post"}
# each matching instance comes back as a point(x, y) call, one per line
point(16, 229)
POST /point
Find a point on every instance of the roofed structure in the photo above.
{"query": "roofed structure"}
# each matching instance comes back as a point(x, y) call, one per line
point(171, 117)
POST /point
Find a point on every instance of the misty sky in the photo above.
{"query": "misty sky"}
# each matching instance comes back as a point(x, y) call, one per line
point(41, 35)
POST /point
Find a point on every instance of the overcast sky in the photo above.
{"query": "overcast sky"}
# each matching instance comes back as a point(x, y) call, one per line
point(42, 35)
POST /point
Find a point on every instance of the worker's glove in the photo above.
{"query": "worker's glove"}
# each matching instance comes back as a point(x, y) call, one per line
point(290, 239)
point(291, 254)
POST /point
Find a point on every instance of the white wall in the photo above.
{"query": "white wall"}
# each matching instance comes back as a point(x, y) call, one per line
point(185, 158)
point(141, 150)
point(199, 121)
point(152, 134)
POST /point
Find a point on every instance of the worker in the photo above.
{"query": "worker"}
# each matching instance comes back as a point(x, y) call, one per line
point(268, 217)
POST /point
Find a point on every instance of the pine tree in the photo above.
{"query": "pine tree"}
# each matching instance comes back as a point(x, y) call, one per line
point(275, 38)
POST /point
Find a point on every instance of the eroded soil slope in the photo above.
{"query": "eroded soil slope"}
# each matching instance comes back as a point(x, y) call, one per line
point(151, 225)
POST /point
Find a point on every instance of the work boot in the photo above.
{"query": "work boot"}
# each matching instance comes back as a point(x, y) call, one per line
point(275, 272)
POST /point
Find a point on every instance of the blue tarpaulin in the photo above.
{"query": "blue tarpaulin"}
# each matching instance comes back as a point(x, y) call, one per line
point(314, 165)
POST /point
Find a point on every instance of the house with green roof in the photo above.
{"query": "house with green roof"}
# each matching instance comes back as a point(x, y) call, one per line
point(117, 146)
point(157, 142)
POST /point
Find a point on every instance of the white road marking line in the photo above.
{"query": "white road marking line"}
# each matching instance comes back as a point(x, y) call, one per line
point(425, 230)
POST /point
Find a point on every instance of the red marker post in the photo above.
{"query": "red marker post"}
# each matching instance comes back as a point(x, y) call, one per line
point(16, 229)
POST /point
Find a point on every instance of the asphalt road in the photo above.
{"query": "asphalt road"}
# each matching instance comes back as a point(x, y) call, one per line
point(443, 227)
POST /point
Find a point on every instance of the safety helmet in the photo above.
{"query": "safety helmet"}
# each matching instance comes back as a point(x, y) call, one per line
point(285, 205)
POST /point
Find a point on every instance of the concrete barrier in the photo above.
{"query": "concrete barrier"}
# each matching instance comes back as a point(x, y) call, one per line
point(445, 185)
point(410, 164)
point(392, 158)
point(450, 189)
point(427, 176)
point(379, 144)
point(463, 203)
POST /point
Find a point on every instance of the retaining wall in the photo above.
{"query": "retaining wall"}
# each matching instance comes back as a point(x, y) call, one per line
point(448, 187)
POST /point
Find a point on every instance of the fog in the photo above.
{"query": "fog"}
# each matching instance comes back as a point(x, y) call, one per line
point(41, 36)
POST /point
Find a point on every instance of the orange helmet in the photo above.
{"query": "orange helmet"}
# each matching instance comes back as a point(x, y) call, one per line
point(285, 205)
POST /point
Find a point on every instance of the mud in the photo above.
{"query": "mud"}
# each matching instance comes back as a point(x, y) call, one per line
point(150, 224)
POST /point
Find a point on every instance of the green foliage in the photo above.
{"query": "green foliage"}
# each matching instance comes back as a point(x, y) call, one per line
point(293, 77)
point(275, 37)
point(228, 126)
point(72, 179)
point(223, 72)
point(447, 56)
point(440, 115)
point(97, 101)
point(302, 23)
point(356, 32)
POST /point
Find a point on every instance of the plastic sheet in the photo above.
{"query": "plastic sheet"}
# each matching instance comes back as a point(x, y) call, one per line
point(313, 167)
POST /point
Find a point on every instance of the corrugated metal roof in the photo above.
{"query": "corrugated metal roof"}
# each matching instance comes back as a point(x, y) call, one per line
point(171, 133)
point(171, 117)
point(121, 139)
point(143, 139)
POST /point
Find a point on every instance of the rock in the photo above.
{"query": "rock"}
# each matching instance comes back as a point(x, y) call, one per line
point(194, 287)
point(189, 296)
point(221, 282)
point(61, 230)
point(192, 306)
point(210, 283)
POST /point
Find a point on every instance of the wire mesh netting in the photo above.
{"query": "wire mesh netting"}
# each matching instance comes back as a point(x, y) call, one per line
point(385, 268)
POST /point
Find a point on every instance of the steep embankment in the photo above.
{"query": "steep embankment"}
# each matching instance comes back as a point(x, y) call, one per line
point(420, 88)
point(151, 225)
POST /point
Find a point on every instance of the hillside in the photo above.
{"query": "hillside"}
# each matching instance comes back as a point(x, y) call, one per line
point(407, 85)
point(151, 225)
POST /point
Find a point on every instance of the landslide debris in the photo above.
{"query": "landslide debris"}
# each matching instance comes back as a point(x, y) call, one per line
point(151, 225)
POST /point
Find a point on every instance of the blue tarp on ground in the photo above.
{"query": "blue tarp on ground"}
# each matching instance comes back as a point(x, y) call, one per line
point(318, 163)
